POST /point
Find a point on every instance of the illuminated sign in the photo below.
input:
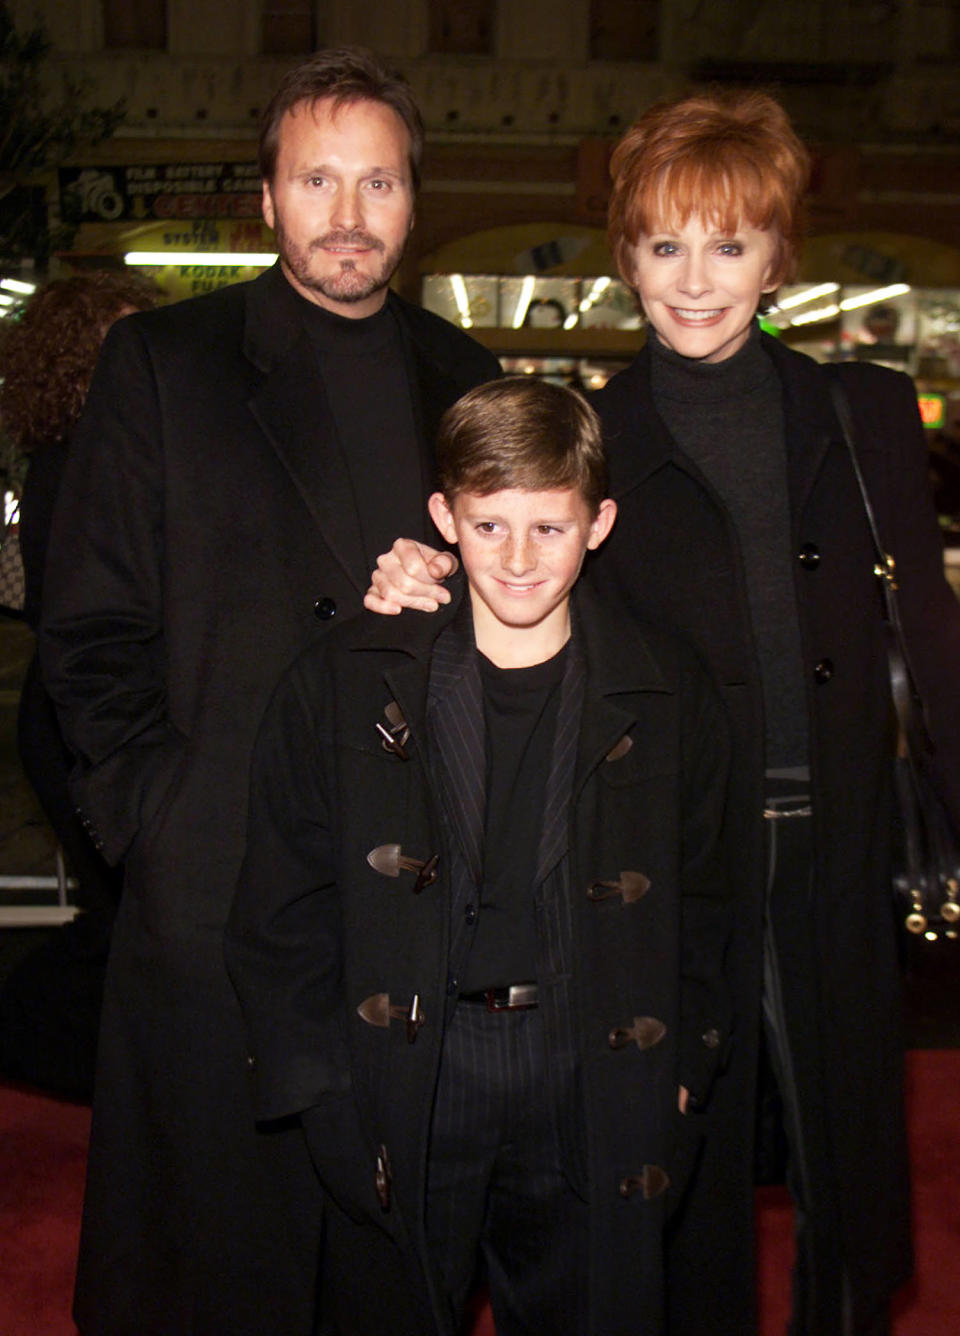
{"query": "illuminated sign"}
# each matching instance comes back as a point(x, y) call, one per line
point(162, 190)
point(932, 410)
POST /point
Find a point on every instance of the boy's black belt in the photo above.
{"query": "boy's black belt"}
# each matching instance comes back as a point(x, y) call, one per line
point(511, 997)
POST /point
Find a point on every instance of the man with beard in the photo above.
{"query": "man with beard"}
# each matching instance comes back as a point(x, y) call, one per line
point(242, 459)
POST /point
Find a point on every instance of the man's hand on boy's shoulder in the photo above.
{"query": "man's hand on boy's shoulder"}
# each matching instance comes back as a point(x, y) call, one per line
point(408, 576)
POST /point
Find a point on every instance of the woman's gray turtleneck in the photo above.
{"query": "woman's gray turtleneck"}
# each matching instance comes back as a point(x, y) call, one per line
point(727, 417)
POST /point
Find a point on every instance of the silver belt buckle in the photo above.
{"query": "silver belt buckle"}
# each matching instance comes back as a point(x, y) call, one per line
point(519, 997)
point(787, 813)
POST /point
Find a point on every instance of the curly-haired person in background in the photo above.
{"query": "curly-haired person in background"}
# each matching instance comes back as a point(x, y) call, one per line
point(50, 1001)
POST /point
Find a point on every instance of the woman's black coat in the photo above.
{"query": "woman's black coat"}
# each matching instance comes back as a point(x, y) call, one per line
point(675, 556)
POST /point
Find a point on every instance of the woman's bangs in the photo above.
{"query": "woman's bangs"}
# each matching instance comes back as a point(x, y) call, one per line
point(729, 196)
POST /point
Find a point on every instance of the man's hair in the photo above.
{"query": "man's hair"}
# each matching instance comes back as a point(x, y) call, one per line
point(521, 433)
point(730, 158)
point(344, 75)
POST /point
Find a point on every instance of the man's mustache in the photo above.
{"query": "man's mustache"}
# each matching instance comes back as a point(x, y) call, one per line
point(366, 240)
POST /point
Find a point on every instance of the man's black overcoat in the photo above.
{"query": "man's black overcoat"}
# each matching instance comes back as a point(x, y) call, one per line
point(206, 528)
point(674, 555)
point(631, 906)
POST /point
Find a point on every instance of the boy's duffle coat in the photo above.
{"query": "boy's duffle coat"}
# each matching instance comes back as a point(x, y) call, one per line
point(339, 942)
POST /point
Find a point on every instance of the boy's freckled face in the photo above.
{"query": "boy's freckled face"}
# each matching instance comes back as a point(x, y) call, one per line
point(522, 551)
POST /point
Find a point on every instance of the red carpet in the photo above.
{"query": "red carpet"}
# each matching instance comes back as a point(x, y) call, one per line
point(42, 1143)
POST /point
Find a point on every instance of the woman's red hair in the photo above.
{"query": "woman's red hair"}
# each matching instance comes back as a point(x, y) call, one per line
point(728, 158)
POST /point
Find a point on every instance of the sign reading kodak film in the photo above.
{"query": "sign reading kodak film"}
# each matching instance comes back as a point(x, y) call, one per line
point(160, 191)
point(182, 277)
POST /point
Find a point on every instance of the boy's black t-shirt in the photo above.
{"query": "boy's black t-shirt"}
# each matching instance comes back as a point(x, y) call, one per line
point(520, 715)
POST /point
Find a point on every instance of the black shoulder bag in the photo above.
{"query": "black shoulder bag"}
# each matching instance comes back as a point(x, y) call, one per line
point(926, 855)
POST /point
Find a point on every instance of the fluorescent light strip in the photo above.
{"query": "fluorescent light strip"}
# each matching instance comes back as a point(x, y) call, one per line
point(523, 301)
point(16, 285)
point(808, 295)
point(6, 300)
point(595, 293)
point(821, 313)
point(462, 300)
point(203, 259)
point(593, 296)
point(878, 295)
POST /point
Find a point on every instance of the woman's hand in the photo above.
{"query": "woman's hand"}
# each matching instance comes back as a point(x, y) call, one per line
point(408, 576)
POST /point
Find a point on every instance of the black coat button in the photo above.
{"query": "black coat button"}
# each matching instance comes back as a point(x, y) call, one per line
point(823, 672)
point(470, 914)
point(809, 556)
point(324, 609)
point(453, 985)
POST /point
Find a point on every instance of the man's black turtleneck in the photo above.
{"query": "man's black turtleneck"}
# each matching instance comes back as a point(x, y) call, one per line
point(364, 372)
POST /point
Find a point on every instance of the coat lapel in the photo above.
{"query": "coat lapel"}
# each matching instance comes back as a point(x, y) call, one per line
point(437, 373)
point(635, 438)
point(291, 407)
point(456, 721)
point(809, 425)
point(619, 663)
point(554, 832)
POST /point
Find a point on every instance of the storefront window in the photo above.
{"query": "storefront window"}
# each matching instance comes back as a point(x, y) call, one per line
point(579, 373)
point(913, 329)
point(938, 335)
point(471, 301)
point(530, 302)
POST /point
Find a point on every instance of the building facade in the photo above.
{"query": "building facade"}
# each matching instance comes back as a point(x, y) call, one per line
point(523, 102)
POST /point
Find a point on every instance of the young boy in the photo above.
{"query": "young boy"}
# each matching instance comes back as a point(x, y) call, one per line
point(479, 932)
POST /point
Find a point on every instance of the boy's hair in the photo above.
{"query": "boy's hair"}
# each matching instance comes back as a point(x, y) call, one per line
point(345, 75)
point(521, 433)
point(730, 158)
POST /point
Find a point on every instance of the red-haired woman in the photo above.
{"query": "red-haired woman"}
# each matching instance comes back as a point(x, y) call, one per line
point(741, 526)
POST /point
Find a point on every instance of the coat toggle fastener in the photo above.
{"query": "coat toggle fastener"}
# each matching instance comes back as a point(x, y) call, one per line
point(631, 885)
point(652, 1182)
point(390, 861)
point(395, 737)
point(377, 1009)
point(644, 1032)
point(383, 1178)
